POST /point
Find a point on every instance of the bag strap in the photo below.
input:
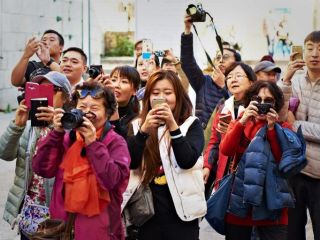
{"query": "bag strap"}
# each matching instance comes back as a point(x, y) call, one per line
point(31, 136)
point(69, 225)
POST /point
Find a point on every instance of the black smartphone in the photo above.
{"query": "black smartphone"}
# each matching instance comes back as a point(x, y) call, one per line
point(35, 103)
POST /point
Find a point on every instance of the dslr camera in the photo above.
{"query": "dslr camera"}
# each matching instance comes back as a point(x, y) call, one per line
point(159, 53)
point(196, 13)
point(94, 71)
point(264, 108)
point(73, 119)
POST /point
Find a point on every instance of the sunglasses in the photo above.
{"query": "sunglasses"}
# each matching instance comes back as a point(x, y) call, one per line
point(94, 93)
point(265, 100)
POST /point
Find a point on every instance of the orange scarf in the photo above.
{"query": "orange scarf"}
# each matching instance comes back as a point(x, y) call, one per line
point(82, 192)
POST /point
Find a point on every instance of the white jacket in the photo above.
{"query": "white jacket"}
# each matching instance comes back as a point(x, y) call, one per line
point(186, 185)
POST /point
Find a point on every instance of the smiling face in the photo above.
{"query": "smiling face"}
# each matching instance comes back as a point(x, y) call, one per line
point(95, 106)
point(123, 88)
point(237, 82)
point(72, 66)
point(312, 55)
point(163, 88)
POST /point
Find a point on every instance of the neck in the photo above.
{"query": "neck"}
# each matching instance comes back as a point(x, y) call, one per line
point(238, 97)
point(314, 75)
point(56, 58)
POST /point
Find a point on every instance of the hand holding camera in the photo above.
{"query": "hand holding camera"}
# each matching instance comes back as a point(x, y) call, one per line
point(57, 115)
point(87, 131)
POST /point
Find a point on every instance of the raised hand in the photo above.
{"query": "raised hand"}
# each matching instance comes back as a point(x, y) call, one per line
point(57, 115)
point(88, 131)
point(32, 47)
point(45, 114)
point(22, 114)
point(152, 121)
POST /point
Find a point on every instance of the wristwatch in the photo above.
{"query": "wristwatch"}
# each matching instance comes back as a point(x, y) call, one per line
point(50, 62)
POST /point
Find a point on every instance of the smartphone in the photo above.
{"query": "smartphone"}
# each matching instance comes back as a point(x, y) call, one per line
point(34, 90)
point(225, 118)
point(147, 48)
point(157, 101)
point(35, 103)
point(299, 50)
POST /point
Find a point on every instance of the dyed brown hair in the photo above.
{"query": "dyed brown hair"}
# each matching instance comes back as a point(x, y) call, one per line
point(181, 112)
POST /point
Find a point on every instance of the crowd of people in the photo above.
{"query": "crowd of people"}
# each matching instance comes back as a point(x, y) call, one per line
point(138, 127)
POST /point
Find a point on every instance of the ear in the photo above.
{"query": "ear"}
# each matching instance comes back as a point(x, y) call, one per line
point(85, 68)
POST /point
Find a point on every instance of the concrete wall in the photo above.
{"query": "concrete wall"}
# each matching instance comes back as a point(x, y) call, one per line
point(22, 19)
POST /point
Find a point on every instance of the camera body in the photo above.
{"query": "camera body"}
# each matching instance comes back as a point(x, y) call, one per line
point(73, 119)
point(95, 70)
point(159, 53)
point(196, 13)
point(264, 108)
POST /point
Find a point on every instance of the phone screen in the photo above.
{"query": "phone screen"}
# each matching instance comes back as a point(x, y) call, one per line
point(157, 101)
point(147, 49)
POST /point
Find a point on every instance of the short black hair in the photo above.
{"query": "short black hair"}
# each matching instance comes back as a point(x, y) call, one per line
point(271, 86)
point(313, 37)
point(236, 55)
point(78, 50)
point(129, 72)
point(61, 39)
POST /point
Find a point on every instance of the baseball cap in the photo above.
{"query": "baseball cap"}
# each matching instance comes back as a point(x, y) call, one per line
point(57, 79)
point(266, 66)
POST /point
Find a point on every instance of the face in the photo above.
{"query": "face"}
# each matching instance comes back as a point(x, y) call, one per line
point(269, 76)
point(163, 88)
point(138, 49)
point(226, 60)
point(52, 41)
point(266, 96)
point(169, 66)
point(146, 67)
point(312, 55)
point(237, 82)
point(73, 66)
point(123, 89)
point(89, 104)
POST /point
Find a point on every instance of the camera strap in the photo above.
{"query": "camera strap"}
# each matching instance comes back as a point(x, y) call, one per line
point(207, 55)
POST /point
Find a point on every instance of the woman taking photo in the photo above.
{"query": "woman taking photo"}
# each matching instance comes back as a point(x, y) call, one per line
point(239, 77)
point(167, 148)
point(262, 102)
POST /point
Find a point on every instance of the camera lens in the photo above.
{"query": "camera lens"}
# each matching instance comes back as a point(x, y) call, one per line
point(94, 72)
point(73, 119)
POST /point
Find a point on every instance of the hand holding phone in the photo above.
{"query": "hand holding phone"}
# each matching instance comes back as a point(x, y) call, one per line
point(35, 103)
point(157, 101)
point(224, 120)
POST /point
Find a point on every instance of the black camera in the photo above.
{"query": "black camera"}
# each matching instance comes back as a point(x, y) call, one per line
point(95, 70)
point(196, 13)
point(159, 53)
point(264, 108)
point(73, 119)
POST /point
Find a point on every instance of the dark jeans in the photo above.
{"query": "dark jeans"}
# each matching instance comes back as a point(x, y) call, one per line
point(307, 194)
point(274, 232)
point(174, 231)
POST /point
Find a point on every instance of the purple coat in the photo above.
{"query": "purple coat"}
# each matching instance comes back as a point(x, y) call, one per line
point(110, 162)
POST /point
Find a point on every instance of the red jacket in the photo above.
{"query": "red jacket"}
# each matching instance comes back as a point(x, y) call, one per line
point(110, 162)
point(234, 143)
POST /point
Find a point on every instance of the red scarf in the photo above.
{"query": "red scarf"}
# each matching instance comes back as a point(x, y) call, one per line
point(82, 192)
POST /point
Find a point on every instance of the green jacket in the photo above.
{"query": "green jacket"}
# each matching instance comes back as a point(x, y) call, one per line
point(13, 145)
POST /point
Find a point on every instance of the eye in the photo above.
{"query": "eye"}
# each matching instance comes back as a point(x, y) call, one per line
point(113, 80)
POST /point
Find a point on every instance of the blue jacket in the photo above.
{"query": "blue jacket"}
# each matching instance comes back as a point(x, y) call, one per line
point(259, 183)
point(208, 93)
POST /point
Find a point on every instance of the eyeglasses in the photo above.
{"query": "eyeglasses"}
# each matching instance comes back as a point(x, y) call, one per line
point(238, 76)
point(265, 100)
point(224, 57)
point(94, 93)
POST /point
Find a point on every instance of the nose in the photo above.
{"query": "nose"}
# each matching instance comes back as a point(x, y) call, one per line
point(315, 52)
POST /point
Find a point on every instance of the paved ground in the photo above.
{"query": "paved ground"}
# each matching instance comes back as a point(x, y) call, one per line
point(6, 179)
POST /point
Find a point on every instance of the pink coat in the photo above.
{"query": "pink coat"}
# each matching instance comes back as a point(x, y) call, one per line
point(110, 162)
